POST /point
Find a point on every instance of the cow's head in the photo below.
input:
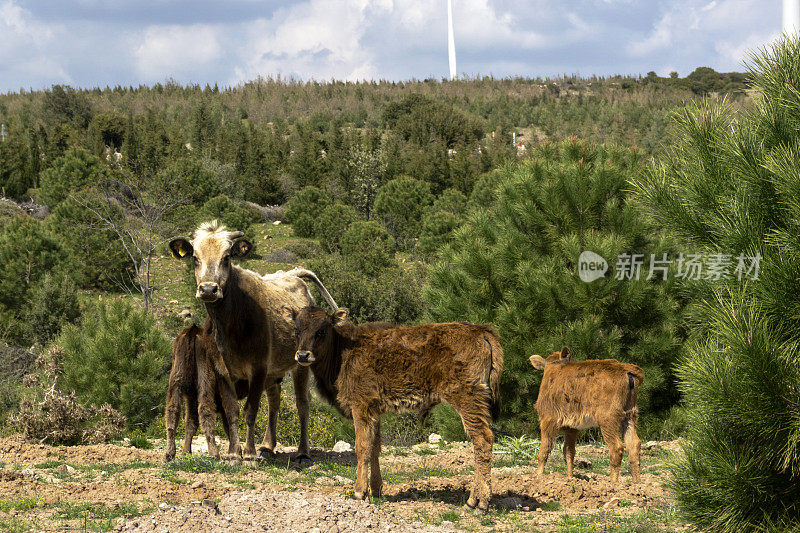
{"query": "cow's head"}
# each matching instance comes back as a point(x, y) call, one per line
point(313, 331)
point(211, 247)
point(555, 358)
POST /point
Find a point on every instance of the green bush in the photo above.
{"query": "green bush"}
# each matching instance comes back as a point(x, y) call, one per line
point(229, 212)
point(400, 205)
point(27, 253)
point(118, 355)
point(186, 181)
point(515, 265)
point(332, 222)
point(100, 262)
point(368, 246)
point(729, 185)
point(50, 305)
point(71, 172)
point(303, 209)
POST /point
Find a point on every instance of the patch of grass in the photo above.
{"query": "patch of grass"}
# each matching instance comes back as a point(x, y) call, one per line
point(423, 472)
point(22, 504)
point(172, 477)
point(518, 449)
point(98, 516)
point(243, 484)
point(202, 463)
point(425, 451)
point(139, 440)
point(650, 520)
point(449, 516)
point(15, 525)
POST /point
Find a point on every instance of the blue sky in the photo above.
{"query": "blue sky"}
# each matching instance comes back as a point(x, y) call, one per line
point(91, 43)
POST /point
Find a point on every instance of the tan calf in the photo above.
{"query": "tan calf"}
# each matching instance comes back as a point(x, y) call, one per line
point(586, 394)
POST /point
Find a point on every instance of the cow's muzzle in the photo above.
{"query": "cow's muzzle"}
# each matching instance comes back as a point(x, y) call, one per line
point(304, 357)
point(209, 291)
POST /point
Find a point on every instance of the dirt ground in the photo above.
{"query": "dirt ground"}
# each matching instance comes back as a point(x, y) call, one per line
point(104, 487)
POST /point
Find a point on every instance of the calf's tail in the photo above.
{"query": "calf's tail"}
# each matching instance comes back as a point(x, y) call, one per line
point(494, 372)
point(307, 275)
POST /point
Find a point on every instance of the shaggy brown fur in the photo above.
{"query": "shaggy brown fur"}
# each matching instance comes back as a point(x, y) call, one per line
point(585, 394)
point(194, 378)
point(375, 368)
point(255, 340)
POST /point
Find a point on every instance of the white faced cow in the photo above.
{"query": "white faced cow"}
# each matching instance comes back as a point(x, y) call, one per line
point(255, 339)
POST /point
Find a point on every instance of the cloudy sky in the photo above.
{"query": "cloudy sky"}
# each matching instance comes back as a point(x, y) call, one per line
point(91, 43)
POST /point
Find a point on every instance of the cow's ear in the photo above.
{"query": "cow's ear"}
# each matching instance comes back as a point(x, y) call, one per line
point(241, 248)
point(565, 354)
point(180, 248)
point(538, 362)
point(288, 313)
point(340, 315)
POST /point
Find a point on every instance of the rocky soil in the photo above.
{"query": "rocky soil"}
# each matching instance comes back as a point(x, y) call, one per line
point(104, 487)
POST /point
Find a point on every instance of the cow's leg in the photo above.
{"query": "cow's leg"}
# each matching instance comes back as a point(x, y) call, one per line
point(273, 404)
point(549, 430)
point(300, 378)
point(475, 417)
point(364, 426)
point(191, 422)
point(610, 431)
point(229, 408)
point(207, 409)
point(570, 438)
point(171, 413)
point(375, 480)
point(251, 412)
point(633, 446)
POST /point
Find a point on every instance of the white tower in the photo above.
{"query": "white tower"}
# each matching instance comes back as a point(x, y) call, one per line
point(791, 16)
point(451, 43)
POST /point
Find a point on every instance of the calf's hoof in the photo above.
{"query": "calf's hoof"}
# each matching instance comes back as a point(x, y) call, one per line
point(235, 451)
point(302, 460)
point(358, 495)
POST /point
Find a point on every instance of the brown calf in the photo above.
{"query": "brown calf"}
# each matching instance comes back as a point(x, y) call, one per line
point(204, 390)
point(586, 394)
point(375, 368)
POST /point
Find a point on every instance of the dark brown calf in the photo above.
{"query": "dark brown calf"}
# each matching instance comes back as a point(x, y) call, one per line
point(205, 392)
point(585, 394)
point(375, 368)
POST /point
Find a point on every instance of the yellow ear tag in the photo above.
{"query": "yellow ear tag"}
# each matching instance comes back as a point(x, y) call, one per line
point(182, 251)
point(245, 248)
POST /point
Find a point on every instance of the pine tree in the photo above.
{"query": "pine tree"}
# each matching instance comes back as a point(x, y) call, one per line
point(513, 264)
point(729, 186)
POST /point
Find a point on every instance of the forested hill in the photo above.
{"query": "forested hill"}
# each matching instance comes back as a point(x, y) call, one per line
point(271, 137)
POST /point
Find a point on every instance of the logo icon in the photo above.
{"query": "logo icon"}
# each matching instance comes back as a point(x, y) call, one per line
point(591, 266)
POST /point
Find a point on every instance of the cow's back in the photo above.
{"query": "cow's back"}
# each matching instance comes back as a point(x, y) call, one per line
point(580, 394)
point(410, 367)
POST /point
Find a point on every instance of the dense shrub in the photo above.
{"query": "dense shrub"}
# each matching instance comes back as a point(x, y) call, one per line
point(186, 181)
point(368, 246)
point(117, 355)
point(400, 205)
point(99, 261)
point(514, 265)
point(50, 305)
point(73, 171)
point(331, 224)
point(229, 212)
point(729, 185)
point(303, 209)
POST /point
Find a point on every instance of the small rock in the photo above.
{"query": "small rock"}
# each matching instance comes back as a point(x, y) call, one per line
point(341, 480)
point(582, 462)
point(342, 446)
point(173, 301)
point(164, 506)
point(613, 502)
point(324, 481)
point(185, 313)
point(649, 445)
point(276, 223)
point(314, 530)
point(447, 523)
point(434, 438)
point(29, 474)
point(211, 504)
point(198, 485)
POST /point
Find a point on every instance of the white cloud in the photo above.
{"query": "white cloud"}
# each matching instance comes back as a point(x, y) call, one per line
point(176, 51)
point(27, 47)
